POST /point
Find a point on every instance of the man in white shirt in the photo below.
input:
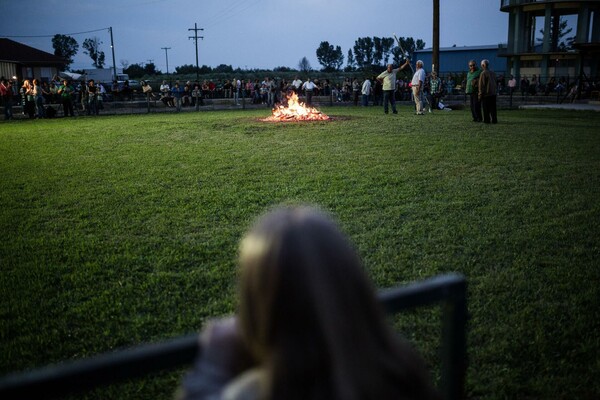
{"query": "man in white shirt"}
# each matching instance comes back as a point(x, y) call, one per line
point(417, 83)
point(297, 84)
point(366, 92)
point(237, 88)
point(308, 87)
point(388, 78)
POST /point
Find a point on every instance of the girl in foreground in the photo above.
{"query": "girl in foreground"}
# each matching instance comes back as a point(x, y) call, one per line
point(309, 324)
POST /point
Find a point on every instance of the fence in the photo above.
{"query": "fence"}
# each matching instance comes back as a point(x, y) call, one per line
point(84, 375)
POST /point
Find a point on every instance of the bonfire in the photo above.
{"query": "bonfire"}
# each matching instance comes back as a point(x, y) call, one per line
point(295, 111)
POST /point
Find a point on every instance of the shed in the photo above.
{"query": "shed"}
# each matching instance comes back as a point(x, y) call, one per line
point(25, 62)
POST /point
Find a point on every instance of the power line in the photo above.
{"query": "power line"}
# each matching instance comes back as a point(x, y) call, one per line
point(230, 12)
point(225, 12)
point(44, 36)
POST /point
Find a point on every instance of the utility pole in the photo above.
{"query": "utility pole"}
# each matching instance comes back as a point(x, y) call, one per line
point(435, 53)
point(167, 56)
point(112, 46)
point(195, 37)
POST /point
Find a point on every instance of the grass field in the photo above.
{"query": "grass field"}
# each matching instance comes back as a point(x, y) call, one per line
point(121, 230)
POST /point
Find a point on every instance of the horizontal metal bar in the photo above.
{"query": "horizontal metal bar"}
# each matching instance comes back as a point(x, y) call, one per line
point(429, 291)
point(82, 375)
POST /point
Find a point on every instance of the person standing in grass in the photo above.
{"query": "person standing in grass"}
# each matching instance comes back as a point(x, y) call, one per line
point(309, 324)
point(435, 91)
point(472, 89)
point(177, 93)
point(6, 93)
point(66, 95)
point(39, 99)
point(309, 87)
point(237, 88)
point(366, 92)
point(512, 85)
point(28, 99)
point(487, 93)
point(356, 86)
point(388, 80)
point(418, 85)
point(92, 92)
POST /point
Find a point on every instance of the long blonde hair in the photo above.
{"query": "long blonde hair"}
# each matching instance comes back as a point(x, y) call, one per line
point(310, 317)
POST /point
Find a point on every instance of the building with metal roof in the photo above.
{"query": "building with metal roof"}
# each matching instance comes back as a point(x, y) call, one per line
point(454, 59)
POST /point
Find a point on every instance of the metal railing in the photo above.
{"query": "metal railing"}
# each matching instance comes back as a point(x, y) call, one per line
point(83, 375)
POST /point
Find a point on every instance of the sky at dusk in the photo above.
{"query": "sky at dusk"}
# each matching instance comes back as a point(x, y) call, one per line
point(243, 33)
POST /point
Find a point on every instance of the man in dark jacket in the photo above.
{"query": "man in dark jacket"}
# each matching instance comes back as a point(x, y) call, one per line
point(487, 93)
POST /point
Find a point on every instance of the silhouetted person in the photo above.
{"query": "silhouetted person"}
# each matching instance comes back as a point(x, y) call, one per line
point(309, 324)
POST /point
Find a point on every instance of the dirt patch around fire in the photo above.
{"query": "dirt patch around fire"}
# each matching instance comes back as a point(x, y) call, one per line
point(291, 120)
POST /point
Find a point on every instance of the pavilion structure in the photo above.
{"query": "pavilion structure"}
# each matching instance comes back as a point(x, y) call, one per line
point(553, 38)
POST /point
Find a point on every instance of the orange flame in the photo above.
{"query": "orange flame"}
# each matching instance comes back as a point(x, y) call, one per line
point(296, 111)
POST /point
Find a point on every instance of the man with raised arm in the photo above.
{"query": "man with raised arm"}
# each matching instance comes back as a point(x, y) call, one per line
point(388, 79)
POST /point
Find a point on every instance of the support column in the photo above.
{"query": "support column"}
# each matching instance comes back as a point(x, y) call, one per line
point(583, 25)
point(595, 20)
point(546, 44)
point(596, 26)
point(547, 29)
point(516, 31)
point(510, 40)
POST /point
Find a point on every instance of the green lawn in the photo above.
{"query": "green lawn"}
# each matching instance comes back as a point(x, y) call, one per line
point(122, 230)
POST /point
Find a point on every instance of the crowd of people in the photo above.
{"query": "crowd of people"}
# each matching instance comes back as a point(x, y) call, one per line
point(37, 97)
point(426, 90)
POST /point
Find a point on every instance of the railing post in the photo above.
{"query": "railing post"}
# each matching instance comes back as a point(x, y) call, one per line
point(454, 343)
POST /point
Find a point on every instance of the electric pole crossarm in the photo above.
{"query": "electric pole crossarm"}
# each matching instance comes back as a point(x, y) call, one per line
point(195, 37)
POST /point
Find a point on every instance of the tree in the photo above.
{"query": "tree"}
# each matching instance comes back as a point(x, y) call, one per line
point(350, 63)
point(382, 49)
point(363, 52)
point(92, 49)
point(397, 56)
point(205, 69)
point(329, 57)
point(282, 69)
point(304, 65)
point(124, 64)
point(558, 30)
point(224, 68)
point(150, 69)
point(185, 69)
point(134, 71)
point(66, 47)
point(410, 46)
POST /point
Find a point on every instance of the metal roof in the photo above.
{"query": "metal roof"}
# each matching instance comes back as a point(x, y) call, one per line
point(465, 48)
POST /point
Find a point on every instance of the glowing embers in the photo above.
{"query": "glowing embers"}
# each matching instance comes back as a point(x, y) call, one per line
point(295, 111)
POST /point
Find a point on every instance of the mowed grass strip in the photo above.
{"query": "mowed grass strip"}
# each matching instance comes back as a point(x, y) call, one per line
point(121, 230)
